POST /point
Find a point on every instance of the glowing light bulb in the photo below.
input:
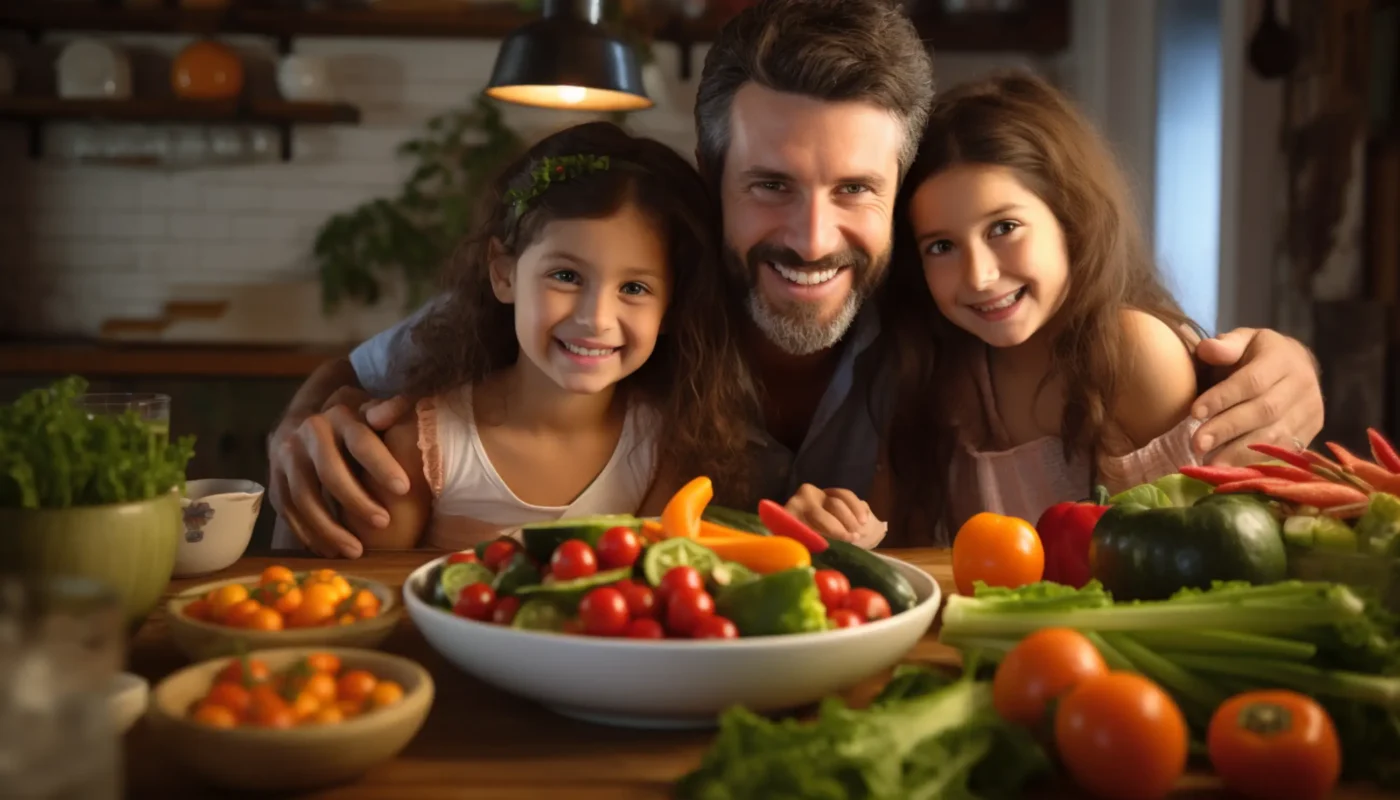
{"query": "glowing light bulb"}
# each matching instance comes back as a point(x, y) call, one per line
point(572, 94)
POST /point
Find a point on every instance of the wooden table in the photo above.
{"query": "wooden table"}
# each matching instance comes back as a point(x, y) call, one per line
point(479, 742)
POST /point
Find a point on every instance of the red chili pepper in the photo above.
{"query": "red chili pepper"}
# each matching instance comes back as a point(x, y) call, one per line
point(1288, 472)
point(1316, 460)
point(1376, 476)
point(1383, 450)
point(1344, 456)
point(780, 523)
point(1218, 475)
point(1318, 494)
point(1294, 457)
point(1066, 531)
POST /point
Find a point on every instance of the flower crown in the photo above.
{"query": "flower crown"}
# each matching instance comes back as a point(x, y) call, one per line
point(553, 170)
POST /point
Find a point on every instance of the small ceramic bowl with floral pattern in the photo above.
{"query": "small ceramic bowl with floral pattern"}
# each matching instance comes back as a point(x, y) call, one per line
point(219, 518)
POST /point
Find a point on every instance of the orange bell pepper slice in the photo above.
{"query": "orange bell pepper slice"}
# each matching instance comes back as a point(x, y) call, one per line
point(681, 516)
point(652, 530)
point(762, 554)
point(714, 530)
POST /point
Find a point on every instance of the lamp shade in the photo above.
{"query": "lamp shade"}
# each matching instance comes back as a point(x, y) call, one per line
point(564, 60)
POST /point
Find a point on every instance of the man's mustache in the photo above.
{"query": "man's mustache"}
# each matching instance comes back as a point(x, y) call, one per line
point(787, 257)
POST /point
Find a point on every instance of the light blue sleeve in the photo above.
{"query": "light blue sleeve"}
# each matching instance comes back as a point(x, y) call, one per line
point(380, 360)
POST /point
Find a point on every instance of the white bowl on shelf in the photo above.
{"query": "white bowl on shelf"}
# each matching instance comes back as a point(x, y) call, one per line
point(670, 683)
point(90, 69)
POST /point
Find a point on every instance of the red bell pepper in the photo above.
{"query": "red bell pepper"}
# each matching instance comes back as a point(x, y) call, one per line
point(1066, 531)
point(780, 523)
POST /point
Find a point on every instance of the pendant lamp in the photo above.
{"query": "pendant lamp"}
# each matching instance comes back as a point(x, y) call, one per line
point(567, 60)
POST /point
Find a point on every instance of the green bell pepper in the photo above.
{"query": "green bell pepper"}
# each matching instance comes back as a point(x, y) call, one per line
point(1142, 553)
point(783, 602)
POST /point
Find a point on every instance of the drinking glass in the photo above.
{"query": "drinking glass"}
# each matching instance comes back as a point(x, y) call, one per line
point(153, 409)
point(61, 646)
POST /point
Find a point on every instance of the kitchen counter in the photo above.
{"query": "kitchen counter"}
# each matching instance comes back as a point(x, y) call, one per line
point(126, 359)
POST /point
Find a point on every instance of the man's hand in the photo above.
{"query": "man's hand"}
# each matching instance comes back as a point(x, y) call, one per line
point(308, 455)
point(1272, 396)
point(837, 514)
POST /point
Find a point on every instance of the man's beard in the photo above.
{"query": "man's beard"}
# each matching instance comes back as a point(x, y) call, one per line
point(797, 328)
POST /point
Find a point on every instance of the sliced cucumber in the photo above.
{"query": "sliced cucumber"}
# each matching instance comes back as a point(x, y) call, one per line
point(517, 572)
point(569, 591)
point(540, 538)
point(540, 614)
point(677, 552)
point(456, 577)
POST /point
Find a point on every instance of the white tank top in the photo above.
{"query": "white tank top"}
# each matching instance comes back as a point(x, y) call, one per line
point(471, 502)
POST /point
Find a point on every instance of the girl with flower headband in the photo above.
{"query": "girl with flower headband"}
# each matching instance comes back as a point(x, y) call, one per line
point(582, 362)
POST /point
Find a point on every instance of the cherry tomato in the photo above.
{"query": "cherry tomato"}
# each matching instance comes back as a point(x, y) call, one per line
point(1040, 668)
point(844, 618)
point(1275, 745)
point(266, 708)
point(256, 673)
point(573, 559)
point(215, 716)
point(645, 628)
point(686, 608)
point(604, 612)
point(715, 627)
point(677, 578)
point(870, 605)
point(618, 547)
point(997, 550)
point(504, 613)
point(498, 553)
point(1121, 737)
point(356, 685)
point(324, 662)
point(834, 587)
point(232, 696)
point(641, 600)
point(477, 602)
point(464, 557)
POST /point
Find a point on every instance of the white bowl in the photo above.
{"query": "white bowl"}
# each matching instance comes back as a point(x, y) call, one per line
point(127, 696)
point(671, 683)
point(219, 519)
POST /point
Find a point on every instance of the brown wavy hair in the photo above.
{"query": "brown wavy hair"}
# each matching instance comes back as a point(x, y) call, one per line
point(694, 377)
point(1018, 121)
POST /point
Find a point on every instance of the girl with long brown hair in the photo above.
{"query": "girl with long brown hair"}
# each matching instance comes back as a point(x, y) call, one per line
point(1038, 352)
point(582, 361)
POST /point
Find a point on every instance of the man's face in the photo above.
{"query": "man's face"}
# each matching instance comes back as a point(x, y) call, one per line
point(808, 193)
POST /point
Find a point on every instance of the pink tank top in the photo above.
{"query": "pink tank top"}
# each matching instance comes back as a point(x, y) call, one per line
point(1026, 479)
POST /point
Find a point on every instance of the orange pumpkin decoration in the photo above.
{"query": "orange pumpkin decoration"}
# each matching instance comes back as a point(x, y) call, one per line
point(207, 70)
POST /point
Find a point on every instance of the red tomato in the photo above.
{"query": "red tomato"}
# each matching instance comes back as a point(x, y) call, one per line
point(498, 553)
point(997, 550)
point(645, 629)
point(641, 600)
point(464, 557)
point(573, 559)
point(677, 578)
point(504, 614)
point(844, 618)
point(869, 604)
point(618, 547)
point(1275, 745)
point(604, 612)
point(1121, 737)
point(1040, 668)
point(686, 608)
point(477, 601)
point(713, 627)
point(834, 588)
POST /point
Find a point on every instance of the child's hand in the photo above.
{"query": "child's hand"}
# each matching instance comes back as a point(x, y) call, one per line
point(837, 514)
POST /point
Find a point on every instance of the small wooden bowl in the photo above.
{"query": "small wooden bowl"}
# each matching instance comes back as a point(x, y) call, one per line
point(264, 759)
point(201, 640)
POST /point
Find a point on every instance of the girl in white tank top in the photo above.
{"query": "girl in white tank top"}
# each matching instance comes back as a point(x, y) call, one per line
point(582, 363)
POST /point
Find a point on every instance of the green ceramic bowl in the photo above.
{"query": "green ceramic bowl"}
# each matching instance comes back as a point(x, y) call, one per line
point(129, 546)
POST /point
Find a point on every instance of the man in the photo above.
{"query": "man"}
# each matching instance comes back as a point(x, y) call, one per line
point(808, 114)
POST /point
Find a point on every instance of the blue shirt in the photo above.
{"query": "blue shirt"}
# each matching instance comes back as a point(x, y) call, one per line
point(841, 447)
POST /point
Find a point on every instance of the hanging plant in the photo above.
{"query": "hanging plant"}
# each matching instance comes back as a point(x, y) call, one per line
point(413, 234)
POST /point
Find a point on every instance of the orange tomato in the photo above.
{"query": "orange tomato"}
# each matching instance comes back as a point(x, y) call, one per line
point(342, 587)
point(317, 592)
point(257, 672)
point(323, 575)
point(232, 696)
point(276, 574)
point(224, 598)
point(1275, 745)
point(288, 600)
point(240, 613)
point(385, 693)
point(313, 611)
point(1040, 668)
point(328, 715)
point(365, 599)
point(349, 709)
point(198, 609)
point(266, 619)
point(324, 662)
point(322, 686)
point(267, 708)
point(1121, 737)
point(215, 716)
point(366, 612)
point(356, 685)
point(305, 705)
point(997, 550)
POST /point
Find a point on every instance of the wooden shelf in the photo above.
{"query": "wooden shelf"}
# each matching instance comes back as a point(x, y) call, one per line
point(94, 359)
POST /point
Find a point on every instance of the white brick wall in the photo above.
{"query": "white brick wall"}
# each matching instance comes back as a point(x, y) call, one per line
point(84, 243)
